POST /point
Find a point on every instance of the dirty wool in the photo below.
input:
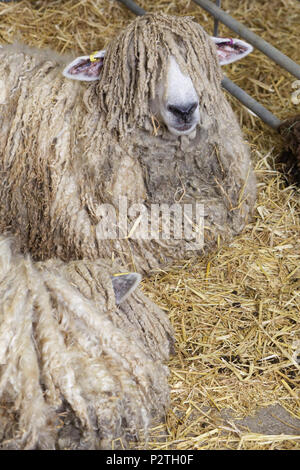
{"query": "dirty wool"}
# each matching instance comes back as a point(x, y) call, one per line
point(76, 370)
point(68, 148)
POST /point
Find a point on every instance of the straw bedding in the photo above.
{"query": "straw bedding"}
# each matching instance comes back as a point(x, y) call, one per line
point(235, 312)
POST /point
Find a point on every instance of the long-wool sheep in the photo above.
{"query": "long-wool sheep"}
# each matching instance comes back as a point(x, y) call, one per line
point(76, 370)
point(70, 151)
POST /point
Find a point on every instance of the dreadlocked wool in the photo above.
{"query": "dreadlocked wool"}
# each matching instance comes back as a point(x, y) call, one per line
point(71, 151)
point(76, 370)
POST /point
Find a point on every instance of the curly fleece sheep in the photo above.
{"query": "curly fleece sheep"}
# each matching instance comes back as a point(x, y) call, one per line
point(76, 369)
point(70, 151)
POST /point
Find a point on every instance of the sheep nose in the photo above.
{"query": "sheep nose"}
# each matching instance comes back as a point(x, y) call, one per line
point(183, 112)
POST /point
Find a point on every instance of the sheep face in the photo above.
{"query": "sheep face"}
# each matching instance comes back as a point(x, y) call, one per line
point(161, 66)
point(177, 103)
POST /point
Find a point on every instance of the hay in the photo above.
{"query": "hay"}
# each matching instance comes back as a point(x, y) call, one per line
point(236, 312)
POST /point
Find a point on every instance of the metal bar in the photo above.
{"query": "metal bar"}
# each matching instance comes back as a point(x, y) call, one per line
point(270, 51)
point(216, 21)
point(133, 7)
point(265, 115)
point(251, 103)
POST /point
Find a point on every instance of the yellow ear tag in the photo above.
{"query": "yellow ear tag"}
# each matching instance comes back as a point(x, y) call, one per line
point(93, 58)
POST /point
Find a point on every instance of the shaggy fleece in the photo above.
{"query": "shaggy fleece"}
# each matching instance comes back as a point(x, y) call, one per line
point(76, 370)
point(67, 148)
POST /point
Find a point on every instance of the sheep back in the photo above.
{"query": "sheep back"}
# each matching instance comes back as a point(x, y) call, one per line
point(76, 371)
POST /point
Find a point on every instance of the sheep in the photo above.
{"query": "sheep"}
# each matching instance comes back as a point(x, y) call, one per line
point(151, 127)
point(289, 129)
point(77, 370)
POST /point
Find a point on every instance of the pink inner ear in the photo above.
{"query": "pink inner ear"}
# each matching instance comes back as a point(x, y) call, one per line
point(227, 49)
point(86, 67)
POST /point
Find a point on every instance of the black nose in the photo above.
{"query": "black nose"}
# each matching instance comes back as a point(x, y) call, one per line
point(183, 112)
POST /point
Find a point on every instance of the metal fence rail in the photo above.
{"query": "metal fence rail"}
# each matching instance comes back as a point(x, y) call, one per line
point(264, 114)
point(133, 7)
point(259, 43)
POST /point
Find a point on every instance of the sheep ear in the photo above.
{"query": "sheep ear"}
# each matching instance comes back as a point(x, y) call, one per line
point(85, 68)
point(229, 50)
point(124, 284)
